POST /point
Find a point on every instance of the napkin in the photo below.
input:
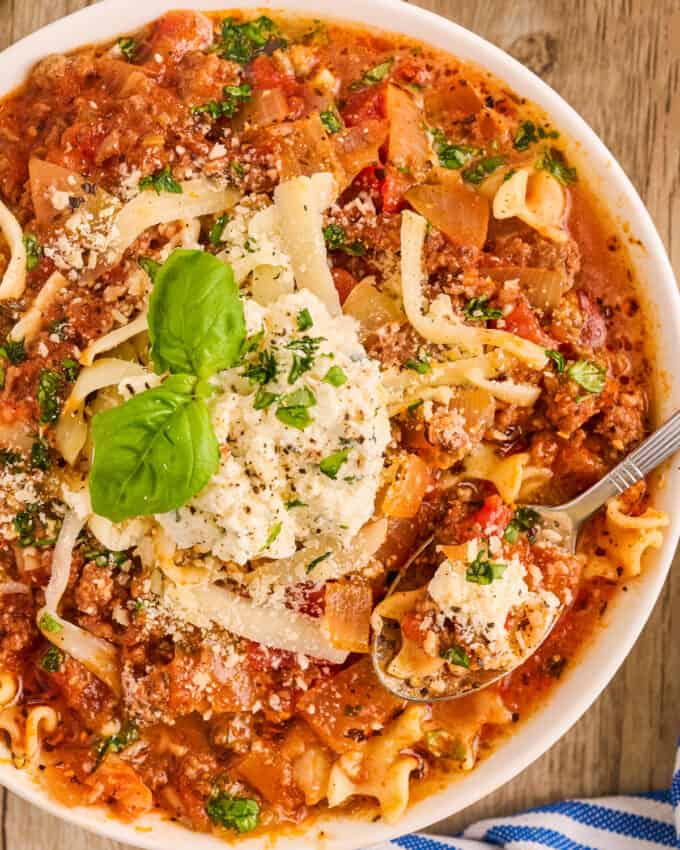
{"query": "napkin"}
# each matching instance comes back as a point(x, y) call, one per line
point(637, 822)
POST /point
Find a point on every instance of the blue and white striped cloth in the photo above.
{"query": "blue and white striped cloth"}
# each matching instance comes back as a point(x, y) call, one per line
point(640, 822)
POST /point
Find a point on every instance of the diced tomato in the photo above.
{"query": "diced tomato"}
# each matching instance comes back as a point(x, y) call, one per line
point(410, 625)
point(492, 518)
point(180, 32)
point(265, 75)
point(523, 321)
point(364, 105)
point(393, 189)
point(344, 283)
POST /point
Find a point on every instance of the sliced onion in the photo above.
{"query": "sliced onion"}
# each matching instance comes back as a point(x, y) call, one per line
point(358, 147)
point(347, 614)
point(61, 559)
point(96, 654)
point(408, 147)
point(14, 280)
point(543, 287)
point(370, 307)
point(459, 212)
point(114, 339)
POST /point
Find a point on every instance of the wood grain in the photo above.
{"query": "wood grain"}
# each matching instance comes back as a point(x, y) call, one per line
point(618, 63)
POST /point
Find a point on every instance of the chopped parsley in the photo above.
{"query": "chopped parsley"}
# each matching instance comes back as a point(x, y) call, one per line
point(420, 365)
point(450, 155)
point(588, 375)
point(524, 519)
point(128, 47)
point(52, 660)
point(128, 734)
point(554, 163)
point(455, 655)
point(216, 231)
point(305, 349)
point(336, 240)
point(373, 76)
point(331, 120)
point(335, 377)
point(243, 42)
point(40, 455)
point(105, 557)
point(330, 466)
point(58, 328)
point(352, 710)
point(34, 251)
point(557, 358)
point(49, 384)
point(9, 458)
point(274, 532)
point(252, 343)
point(476, 173)
point(304, 320)
point(49, 624)
point(264, 399)
point(240, 814)
point(293, 410)
point(315, 563)
point(26, 525)
point(476, 310)
point(414, 406)
point(529, 133)
point(14, 350)
point(264, 370)
point(161, 181)
point(233, 98)
point(295, 503)
point(483, 571)
point(70, 369)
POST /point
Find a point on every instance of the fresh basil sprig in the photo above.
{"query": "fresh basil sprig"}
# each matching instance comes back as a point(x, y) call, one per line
point(196, 323)
point(153, 453)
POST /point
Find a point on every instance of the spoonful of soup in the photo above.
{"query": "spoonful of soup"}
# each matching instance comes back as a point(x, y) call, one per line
point(459, 617)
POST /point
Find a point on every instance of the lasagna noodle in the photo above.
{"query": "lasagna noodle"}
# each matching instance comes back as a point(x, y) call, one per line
point(14, 280)
point(445, 329)
point(506, 474)
point(536, 198)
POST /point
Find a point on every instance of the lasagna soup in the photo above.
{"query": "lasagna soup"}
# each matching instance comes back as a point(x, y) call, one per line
point(280, 300)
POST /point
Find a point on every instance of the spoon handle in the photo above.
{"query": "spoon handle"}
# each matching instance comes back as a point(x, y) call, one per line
point(646, 457)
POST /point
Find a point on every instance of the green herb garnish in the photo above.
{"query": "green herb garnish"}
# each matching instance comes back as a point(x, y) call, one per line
point(304, 320)
point(14, 350)
point(274, 532)
point(315, 563)
point(420, 365)
point(557, 358)
point(34, 251)
point(476, 173)
point(70, 368)
point(331, 120)
point(476, 310)
point(483, 571)
point(523, 520)
point(554, 163)
point(450, 155)
point(52, 660)
point(373, 76)
point(161, 181)
point(588, 375)
point(336, 240)
point(330, 466)
point(239, 814)
point(151, 267)
point(49, 384)
point(216, 231)
point(305, 349)
point(455, 655)
point(233, 98)
point(128, 47)
point(49, 624)
point(243, 42)
point(40, 455)
point(335, 377)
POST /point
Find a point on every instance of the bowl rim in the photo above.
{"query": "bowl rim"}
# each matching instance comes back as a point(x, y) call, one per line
point(105, 20)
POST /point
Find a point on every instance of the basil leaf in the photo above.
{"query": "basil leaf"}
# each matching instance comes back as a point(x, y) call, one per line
point(304, 320)
point(335, 376)
point(196, 322)
point(153, 453)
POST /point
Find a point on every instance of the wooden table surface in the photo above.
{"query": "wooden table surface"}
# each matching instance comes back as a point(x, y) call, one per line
point(618, 63)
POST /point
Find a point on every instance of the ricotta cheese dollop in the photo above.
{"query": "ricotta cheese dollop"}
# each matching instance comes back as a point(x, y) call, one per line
point(279, 486)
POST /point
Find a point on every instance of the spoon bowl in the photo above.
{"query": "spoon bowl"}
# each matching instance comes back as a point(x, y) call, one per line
point(560, 526)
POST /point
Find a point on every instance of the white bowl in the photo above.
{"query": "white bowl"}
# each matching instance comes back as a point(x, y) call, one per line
point(627, 617)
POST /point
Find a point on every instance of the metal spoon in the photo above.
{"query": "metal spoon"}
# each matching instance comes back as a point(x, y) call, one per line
point(567, 520)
